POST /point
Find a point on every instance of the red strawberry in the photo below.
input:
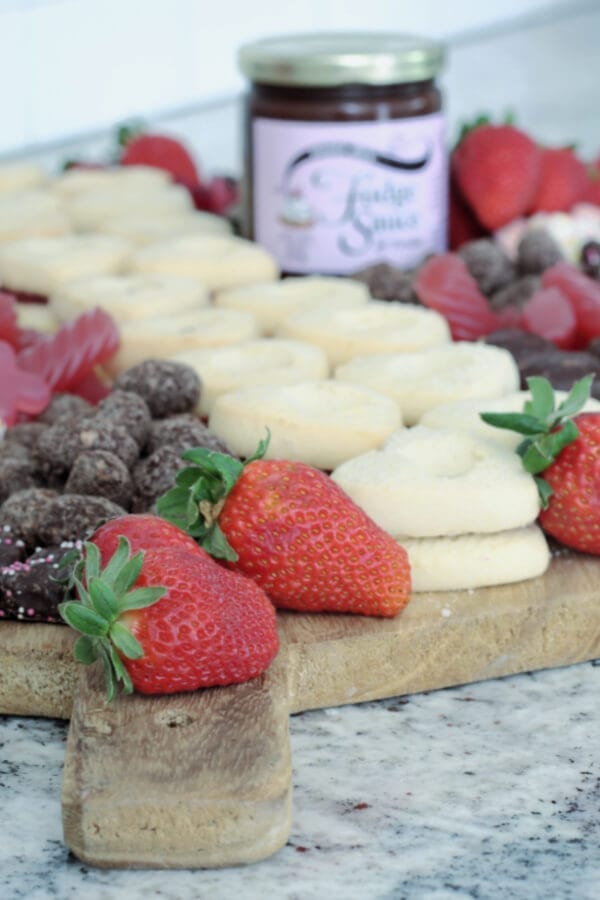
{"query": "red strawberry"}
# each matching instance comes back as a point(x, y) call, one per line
point(161, 152)
point(169, 619)
point(497, 168)
point(144, 532)
point(573, 513)
point(563, 181)
point(567, 452)
point(216, 196)
point(444, 283)
point(462, 224)
point(293, 530)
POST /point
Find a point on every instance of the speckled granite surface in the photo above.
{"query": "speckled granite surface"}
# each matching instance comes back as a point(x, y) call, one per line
point(486, 791)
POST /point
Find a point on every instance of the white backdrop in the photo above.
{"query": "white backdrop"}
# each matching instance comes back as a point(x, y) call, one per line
point(68, 67)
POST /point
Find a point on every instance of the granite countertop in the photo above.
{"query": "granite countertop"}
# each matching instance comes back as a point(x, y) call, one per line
point(485, 791)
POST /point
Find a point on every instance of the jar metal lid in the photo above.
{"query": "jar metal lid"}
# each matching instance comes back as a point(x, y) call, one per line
point(330, 59)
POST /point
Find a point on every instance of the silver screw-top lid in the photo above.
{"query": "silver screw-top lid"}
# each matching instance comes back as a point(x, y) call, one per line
point(338, 58)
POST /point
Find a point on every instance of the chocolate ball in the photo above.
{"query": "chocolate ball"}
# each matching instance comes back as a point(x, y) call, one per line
point(168, 387)
point(154, 476)
point(65, 404)
point(59, 447)
point(71, 517)
point(23, 511)
point(100, 473)
point(128, 410)
point(182, 432)
point(488, 264)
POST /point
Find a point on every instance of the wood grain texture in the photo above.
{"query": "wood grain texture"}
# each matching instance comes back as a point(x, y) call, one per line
point(204, 779)
point(190, 780)
point(439, 640)
point(37, 671)
point(444, 639)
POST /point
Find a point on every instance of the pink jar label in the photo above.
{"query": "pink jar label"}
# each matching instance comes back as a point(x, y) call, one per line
point(334, 197)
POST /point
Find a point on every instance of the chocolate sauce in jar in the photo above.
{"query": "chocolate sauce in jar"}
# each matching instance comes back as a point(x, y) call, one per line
point(345, 154)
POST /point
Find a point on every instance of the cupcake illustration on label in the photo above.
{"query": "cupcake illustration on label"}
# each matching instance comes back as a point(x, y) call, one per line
point(295, 210)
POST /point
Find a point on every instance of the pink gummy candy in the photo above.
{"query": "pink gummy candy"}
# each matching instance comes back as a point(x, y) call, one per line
point(20, 391)
point(66, 357)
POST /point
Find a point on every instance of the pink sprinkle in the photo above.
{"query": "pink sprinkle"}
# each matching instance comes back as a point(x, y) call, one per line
point(31, 612)
point(2, 613)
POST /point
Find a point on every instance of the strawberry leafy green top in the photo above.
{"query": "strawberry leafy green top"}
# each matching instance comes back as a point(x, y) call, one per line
point(546, 428)
point(104, 595)
point(195, 502)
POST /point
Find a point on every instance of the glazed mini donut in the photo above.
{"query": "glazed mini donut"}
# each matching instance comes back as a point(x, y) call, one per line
point(476, 560)
point(465, 415)
point(217, 261)
point(164, 336)
point(41, 265)
point(262, 361)
point(321, 423)
point(129, 298)
point(429, 483)
point(275, 301)
point(420, 381)
point(374, 327)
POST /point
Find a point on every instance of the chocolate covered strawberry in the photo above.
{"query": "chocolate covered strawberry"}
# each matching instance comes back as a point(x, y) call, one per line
point(293, 530)
point(167, 618)
point(563, 453)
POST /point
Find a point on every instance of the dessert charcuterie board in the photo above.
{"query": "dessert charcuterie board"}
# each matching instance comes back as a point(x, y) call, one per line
point(204, 779)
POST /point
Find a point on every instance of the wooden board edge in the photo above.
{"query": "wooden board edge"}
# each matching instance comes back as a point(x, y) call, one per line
point(557, 633)
point(210, 824)
point(38, 673)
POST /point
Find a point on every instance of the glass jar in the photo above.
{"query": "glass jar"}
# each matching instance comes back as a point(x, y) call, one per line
point(346, 162)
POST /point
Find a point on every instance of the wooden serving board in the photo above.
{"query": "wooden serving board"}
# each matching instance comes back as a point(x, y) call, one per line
point(204, 779)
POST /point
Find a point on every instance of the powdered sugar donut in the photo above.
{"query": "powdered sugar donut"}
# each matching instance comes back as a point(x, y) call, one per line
point(218, 262)
point(477, 560)
point(263, 361)
point(422, 380)
point(428, 483)
point(19, 176)
point(40, 265)
point(31, 213)
point(275, 301)
point(375, 327)
point(464, 415)
point(141, 229)
point(129, 298)
point(164, 336)
point(321, 423)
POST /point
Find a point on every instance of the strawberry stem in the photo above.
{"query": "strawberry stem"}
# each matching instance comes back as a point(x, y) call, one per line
point(547, 428)
point(104, 595)
point(197, 499)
